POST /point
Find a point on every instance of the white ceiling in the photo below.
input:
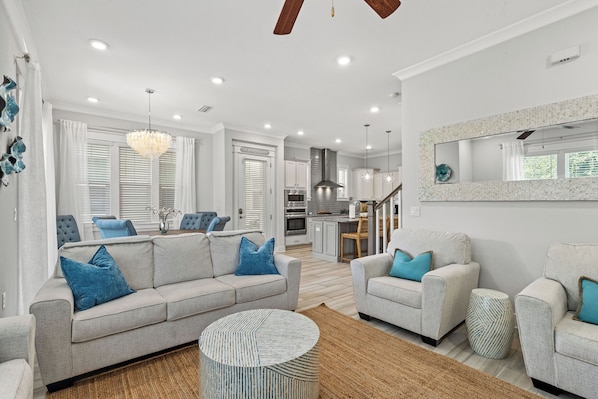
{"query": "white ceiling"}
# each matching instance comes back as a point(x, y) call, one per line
point(292, 82)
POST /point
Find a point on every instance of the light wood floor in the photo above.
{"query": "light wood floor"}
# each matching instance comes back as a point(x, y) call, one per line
point(330, 283)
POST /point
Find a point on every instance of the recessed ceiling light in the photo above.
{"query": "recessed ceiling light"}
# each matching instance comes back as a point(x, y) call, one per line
point(300, 132)
point(217, 80)
point(267, 126)
point(337, 141)
point(343, 60)
point(177, 116)
point(98, 44)
point(93, 100)
point(374, 109)
point(368, 147)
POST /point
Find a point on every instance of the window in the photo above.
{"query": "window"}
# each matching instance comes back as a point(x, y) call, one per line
point(343, 180)
point(124, 184)
point(540, 167)
point(98, 164)
point(581, 164)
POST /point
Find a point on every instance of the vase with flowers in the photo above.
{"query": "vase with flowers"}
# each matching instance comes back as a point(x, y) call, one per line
point(163, 214)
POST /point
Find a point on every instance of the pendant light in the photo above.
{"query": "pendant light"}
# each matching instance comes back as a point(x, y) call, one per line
point(367, 176)
point(147, 142)
point(388, 177)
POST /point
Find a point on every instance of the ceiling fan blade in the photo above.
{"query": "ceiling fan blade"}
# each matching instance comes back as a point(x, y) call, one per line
point(287, 17)
point(384, 7)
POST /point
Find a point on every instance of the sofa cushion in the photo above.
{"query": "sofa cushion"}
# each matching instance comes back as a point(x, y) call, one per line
point(16, 379)
point(98, 281)
point(576, 339)
point(254, 260)
point(406, 292)
point(224, 248)
point(566, 263)
point(404, 266)
point(587, 308)
point(448, 248)
point(250, 288)
point(140, 309)
point(180, 258)
point(197, 296)
point(134, 256)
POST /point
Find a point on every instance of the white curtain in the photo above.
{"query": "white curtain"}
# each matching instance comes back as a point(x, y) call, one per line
point(184, 190)
point(512, 160)
point(48, 133)
point(73, 184)
point(32, 220)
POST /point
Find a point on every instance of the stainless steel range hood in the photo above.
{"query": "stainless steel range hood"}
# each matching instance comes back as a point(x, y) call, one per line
point(327, 165)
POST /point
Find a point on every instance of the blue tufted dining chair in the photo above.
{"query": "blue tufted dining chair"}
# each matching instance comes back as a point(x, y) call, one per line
point(206, 219)
point(218, 223)
point(66, 229)
point(190, 221)
point(110, 228)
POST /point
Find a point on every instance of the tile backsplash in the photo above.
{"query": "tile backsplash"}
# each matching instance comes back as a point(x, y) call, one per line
point(324, 199)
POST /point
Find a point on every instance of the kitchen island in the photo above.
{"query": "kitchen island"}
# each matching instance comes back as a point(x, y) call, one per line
point(325, 234)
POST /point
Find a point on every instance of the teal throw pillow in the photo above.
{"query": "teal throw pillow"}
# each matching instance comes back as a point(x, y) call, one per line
point(98, 281)
point(404, 266)
point(254, 260)
point(587, 308)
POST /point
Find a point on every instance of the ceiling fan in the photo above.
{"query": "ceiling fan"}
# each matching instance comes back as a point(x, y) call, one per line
point(291, 8)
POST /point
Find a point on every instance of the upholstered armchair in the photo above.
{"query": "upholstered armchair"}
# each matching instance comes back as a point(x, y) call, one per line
point(17, 356)
point(560, 353)
point(432, 307)
point(110, 228)
point(66, 229)
point(218, 223)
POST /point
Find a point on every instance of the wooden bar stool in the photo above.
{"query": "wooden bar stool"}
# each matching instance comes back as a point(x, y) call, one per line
point(358, 236)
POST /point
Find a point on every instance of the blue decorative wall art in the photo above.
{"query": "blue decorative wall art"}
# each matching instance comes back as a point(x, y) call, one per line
point(8, 105)
point(11, 160)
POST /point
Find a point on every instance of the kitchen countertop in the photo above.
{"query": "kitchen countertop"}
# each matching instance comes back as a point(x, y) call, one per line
point(335, 218)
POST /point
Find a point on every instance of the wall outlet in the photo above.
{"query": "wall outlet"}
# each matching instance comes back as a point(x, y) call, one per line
point(4, 300)
point(414, 211)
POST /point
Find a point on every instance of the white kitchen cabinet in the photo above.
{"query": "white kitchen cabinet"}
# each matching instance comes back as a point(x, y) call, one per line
point(295, 174)
point(310, 231)
point(318, 237)
point(330, 244)
point(362, 189)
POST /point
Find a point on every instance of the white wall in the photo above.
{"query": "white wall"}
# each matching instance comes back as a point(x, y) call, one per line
point(509, 239)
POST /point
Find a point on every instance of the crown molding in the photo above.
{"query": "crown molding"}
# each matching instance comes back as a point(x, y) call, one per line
point(526, 25)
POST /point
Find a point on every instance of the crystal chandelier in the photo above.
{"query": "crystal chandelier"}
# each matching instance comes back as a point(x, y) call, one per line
point(147, 142)
point(367, 176)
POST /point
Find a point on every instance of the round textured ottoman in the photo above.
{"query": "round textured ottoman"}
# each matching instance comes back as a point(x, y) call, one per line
point(263, 353)
point(490, 323)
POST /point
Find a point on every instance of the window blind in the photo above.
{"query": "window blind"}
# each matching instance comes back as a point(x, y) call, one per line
point(582, 164)
point(98, 170)
point(255, 187)
point(135, 182)
point(167, 166)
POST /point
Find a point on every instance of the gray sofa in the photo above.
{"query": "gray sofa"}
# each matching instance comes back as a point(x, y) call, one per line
point(432, 307)
point(183, 283)
point(560, 353)
point(17, 356)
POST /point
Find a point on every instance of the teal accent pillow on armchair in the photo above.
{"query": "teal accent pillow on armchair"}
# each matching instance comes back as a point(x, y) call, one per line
point(404, 266)
point(98, 281)
point(254, 260)
point(587, 308)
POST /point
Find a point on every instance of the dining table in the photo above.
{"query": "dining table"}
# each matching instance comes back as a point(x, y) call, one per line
point(170, 232)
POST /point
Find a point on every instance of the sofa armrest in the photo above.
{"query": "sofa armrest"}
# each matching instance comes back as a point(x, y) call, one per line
point(538, 308)
point(53, 308)
point(17, 338)
point(363, 269)
point(290, 268)
point(445, 296)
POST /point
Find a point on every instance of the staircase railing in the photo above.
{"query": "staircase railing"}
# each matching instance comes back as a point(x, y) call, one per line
point(378, 213)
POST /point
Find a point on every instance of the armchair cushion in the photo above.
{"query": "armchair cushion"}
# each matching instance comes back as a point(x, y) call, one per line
point(406, 292)
point(576, 340)
point(404, 266)
point(587, 308)
point(98, 281)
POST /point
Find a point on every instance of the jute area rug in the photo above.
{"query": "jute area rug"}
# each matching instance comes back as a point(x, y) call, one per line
point(356, 361)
